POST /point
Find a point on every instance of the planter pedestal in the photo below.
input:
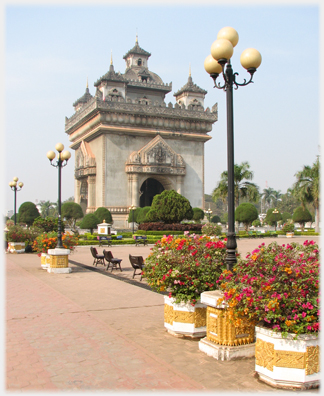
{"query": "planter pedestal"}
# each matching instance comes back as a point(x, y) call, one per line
point(45, 260)
point(59, 261)
point(289, 234)
point(184, 320)
point(287, 363)
point(224, 341)
point(16, 247)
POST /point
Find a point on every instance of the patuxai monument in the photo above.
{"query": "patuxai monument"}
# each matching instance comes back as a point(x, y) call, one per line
point(131, 145)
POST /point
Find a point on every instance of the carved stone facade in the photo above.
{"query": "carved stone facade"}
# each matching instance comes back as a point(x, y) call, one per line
point(129, 144)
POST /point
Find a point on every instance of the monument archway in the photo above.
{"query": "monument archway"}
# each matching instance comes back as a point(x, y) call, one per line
point(148, 190)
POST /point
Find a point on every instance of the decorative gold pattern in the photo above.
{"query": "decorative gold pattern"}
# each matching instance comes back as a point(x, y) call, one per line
point(59, 261)
point(289, 359)
point(168, 314)
point(221, 331)
point(198, 317)
point(264, 354)
point(43, 259)
point(312, 360)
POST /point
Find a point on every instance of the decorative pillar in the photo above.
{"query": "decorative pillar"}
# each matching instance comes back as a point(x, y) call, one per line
point(77, 186)
point(179, 181)
point(135, 192)
point(91, 193)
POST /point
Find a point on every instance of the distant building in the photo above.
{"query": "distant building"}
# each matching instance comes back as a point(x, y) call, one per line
point(129, 145)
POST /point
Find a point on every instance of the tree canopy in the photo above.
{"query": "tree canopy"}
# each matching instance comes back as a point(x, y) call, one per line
point(246, 213)
point(28, 212)
point(306, 188)
point(242, 187)
point(301, 215)
point(89, 222)
point(170, 207)
point(71, 212)
point(198, 215)
point(103, 214)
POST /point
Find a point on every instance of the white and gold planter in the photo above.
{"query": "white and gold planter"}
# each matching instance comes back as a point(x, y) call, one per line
point(16, 247)
point(285, 362)
point(289, 234)
point(184, 319)
point(58, 261)
point(45, 260)
point(224, 340)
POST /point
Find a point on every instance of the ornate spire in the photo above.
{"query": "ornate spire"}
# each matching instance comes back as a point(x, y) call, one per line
point(111, 60)
point(189, 69)
point(87, 87)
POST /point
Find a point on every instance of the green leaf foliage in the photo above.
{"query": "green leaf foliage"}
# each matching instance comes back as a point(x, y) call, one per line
point(198, 214)
point(246, 213)
point(170, 207)
point(90, 221)
point(28, 212)
point(141, 216)
point(215, 219)
point(272, 218)
point(71, 211)
point(103, 214)
point(301, 215)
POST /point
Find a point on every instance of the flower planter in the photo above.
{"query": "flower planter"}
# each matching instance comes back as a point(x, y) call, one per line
point(184, 319)
point(16, 247)
point(45, 260)
point(58, 261)
point(224, 340)
point(287, 363)
point(289, 234)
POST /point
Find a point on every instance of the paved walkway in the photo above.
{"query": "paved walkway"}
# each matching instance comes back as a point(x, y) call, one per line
point(89, 331)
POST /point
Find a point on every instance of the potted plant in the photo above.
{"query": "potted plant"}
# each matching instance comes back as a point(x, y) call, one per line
point(16, 237)
point(277, 289)
point(288, 228)
point(183, 268)
point(44, 242)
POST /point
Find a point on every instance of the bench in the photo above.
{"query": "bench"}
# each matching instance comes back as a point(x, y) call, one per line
point(104, 240)
point(98, 258)
point(114, 262)
point(140, 239)
point(137, 262)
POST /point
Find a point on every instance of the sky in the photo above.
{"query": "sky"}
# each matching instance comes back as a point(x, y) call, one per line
point(50, 50)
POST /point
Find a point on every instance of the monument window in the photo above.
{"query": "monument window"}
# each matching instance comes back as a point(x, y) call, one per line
point(139, 62)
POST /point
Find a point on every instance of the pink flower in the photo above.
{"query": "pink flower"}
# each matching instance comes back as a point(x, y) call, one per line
point(303, 314)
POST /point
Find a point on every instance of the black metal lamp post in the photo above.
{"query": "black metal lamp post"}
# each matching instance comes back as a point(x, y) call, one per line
point(132, 208)
point(221, 53)
point(62, 160)
point(208, 213)
point(13, 186)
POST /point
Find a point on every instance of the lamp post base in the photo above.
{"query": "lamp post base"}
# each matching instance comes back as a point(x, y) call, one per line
point(59, 261)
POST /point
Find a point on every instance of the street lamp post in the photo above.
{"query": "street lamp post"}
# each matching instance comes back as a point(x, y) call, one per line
point(13, 186)
point(132, 208)
point(221, 53)
point(62, 160)
point(208, 213)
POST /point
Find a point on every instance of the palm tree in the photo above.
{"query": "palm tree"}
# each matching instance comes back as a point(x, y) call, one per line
point(276, 197)
point(47, 208)
point(306, 188)
point(242, 187)
point(268, 196)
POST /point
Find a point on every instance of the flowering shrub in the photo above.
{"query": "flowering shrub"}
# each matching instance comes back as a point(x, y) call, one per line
point(49, 241)
point(159, 226)
point(185, 267)
point(17, 233)
point(276, 287)
point(211, 229)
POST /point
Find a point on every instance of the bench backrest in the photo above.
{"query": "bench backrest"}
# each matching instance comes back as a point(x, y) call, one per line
point(108, 255)
point(136, 261)
point(94, 251)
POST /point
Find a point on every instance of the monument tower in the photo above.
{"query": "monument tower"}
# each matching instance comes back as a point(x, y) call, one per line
point(129, 145)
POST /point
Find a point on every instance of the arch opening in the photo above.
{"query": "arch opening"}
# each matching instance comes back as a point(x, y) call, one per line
point(148, 190)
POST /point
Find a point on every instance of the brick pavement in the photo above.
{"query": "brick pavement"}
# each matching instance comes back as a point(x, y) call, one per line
point(86, 331)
